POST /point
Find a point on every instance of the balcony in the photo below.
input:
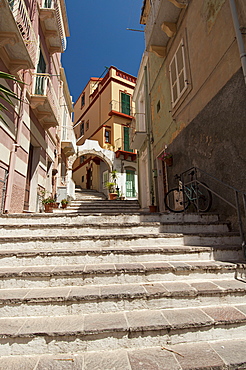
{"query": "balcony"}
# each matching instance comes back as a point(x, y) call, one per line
point(17, 38)
point(160, 19)
point(52, 22)
point(44, 100)
point(120, 109)
point(123, 150)
point(138, 131)
point(68, 141)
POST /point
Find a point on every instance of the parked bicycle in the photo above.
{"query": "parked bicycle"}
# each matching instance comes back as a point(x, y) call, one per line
point(195, 192)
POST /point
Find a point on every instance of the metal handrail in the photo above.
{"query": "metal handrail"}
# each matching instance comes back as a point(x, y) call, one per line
point(237, 193)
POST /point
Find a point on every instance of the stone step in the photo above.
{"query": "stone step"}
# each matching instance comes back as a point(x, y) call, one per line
point(76, 300)
point(110, 228)
point(97, 255)
point(128, 329)
point(116, 240)
point(213, 355)
point(57, 218)
point(114, 273)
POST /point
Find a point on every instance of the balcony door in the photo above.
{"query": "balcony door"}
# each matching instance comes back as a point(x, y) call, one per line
point(127, 140)
point(130, 184)
point(40, 79)
point(125, 104)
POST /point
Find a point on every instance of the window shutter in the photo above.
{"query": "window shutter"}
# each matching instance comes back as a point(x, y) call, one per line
point(125, 104)
point(178, 74)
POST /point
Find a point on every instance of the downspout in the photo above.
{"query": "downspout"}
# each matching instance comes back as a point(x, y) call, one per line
point(148, 129)
point(239, 37)
point(15, 146)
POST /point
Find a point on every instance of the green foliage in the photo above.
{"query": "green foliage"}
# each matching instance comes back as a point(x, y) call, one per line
point(48, 200)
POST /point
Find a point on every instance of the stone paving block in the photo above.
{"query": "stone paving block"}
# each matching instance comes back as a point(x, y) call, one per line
point(155, 289)
point(11, 326)
point(69, 269)
point(152, 359)
point(44, 270)
point(13, 294)
point(18, 363)
point(231, 284)
point(97, 268)
point(157, 266)
point(129, 267)
point(106, 361)
point(146, 320)
point(84, 292)
point(61, 362)
point(44, 294)
point(205, 287)
point(242, 308)
point(53, 325)
point(179, 288)
point(224, 314)
point(107, 322)
point(122, 290)
point(187, 317)
point(197, 356)
point(233, 352)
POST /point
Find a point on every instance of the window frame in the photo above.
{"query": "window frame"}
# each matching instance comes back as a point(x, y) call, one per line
point(175, 83)
point(82, 128)
point(107, 136)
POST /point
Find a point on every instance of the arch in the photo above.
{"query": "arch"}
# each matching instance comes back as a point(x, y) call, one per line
point(92, 147)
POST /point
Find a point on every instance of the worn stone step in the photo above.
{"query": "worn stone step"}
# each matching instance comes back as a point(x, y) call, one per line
point(76, 300)
point(113, 273)
point(128, 329)
point(112, 228)
point(51, 218)
point(97, 255)
point(88, 241)
point(213, 355)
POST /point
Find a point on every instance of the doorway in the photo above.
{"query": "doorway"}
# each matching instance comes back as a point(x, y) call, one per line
point(130, 184)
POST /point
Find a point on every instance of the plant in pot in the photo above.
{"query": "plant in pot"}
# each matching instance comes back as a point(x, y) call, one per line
point(64, 203)
point(167, 158)
point(111, 186)
point(48, 204)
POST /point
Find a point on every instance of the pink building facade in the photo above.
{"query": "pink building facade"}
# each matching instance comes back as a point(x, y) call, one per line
point(36, 137)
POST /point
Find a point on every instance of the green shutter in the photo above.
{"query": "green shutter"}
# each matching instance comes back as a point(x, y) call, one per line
point(130, 184)
point(127, 140)
point(125, 104)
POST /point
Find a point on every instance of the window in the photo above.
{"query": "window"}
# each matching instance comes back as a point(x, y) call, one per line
point(82, 159)
point(107, 136)
point(82, 100)
point(87, 125)
point(127, 140)
point(82, 128)
point(125, 104)
point(158, 106)
point(177, 72)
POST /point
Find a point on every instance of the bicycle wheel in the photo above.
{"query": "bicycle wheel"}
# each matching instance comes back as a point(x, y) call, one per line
point(204, 201)
point(174, 201)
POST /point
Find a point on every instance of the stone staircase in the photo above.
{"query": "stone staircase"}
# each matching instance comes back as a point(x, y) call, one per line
point(91, 201)
point(123, 291)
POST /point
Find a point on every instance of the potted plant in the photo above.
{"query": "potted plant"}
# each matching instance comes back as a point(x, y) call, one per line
point(48, 204)
point(112, 191)
point(64, 203)
point(167, 158)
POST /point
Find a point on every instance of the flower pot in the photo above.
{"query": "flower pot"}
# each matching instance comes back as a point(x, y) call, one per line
point(152, 208)
point(48, 207)
point(64, 205)
point(169, 161)
point(113, 196)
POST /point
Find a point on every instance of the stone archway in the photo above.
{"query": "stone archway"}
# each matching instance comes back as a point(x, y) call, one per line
point(92, 147)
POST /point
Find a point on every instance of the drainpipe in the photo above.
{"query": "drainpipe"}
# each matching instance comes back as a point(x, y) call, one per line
point(239, 37)
point(148, 129)
point(13, 152)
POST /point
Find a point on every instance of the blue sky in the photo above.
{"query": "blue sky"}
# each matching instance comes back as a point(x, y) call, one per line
point(99, 38)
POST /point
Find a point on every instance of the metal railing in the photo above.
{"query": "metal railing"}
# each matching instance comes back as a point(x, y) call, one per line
point(42, 85)
point(24, 24)
point(55, 4)
point(121, 107)
point(239, 196)
point(3, 185)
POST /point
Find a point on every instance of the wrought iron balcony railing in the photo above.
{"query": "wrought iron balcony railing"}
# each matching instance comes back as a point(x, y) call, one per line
point(24, 24)
point(121, 107)
point(55, 5)
point(43, 87)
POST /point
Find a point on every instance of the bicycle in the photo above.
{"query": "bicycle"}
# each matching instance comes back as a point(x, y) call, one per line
point(179, 199)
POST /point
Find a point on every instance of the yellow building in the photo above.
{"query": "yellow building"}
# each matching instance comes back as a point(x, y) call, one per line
point(102, 120)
